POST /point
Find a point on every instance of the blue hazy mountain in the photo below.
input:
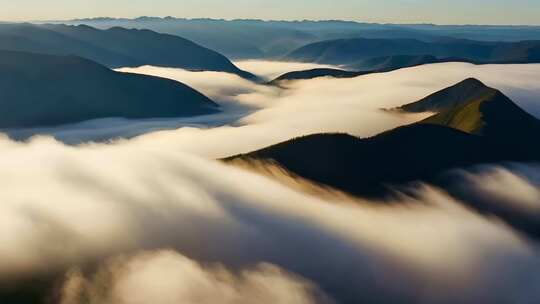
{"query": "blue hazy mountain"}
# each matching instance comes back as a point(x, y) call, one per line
point(264, 39)
point(350, 51)
point(42, 90)
point(115, 47)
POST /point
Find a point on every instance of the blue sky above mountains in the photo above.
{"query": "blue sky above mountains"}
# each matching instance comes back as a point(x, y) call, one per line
point(392, 11)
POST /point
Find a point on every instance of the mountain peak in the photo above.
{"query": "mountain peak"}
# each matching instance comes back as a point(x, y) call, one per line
point(473, 107)
point(459, 94)
point(471, 82)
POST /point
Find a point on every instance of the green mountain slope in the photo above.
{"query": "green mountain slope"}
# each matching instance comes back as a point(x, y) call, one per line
point(472, 107)
point(39, 90)
point(456, 95)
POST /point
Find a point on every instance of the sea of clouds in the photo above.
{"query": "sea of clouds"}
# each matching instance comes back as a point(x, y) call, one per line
point(159, 213)
point(160, 221)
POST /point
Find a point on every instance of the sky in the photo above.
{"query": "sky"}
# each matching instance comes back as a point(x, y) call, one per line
point(524, 12)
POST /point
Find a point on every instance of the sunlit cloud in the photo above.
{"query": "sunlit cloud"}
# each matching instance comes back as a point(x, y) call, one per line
point(329, 105)
point(257, 115)
point(75, 204)
point(166, 276)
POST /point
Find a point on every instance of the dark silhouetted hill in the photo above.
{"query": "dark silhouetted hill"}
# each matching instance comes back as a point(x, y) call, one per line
point(39, 90)
point(366, 167)
point(368, 66)
point(315, 73)
point(474, 125)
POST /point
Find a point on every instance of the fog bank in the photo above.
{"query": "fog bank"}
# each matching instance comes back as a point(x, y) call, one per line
point(333, 105)
point(75, 204)
point(255, 115)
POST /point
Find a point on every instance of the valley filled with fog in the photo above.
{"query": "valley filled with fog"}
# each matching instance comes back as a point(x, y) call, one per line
point(257, 115)
point(142, 200)
point(285, 152)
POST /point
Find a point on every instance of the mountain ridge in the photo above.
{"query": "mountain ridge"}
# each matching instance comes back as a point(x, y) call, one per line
point(116, 47)
point(369, 66)
point(252, 38)
point(366, 167)
point(348, 51)
point(45, 90)
point(473, 107)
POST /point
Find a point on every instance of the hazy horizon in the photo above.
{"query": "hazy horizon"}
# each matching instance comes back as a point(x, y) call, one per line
point(520, 12)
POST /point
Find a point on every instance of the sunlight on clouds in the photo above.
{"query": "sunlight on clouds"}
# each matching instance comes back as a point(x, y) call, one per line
point(321, 105)
point(167, 277)
point(256, 115)
point(71, 205)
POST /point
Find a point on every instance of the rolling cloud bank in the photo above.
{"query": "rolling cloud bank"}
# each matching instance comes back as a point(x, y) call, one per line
point(71, 206)
point(156, 219)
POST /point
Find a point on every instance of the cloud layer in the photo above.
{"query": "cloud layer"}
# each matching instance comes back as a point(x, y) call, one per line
point(257, 115)
point(157, 213)
point(330, 105)
point(167, 277)
point(71, 205)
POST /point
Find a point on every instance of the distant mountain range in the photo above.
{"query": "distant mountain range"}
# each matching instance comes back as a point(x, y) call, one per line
point(42, 90)
point(273, 39)
point(368, 66)
point(115, 47)
point(352, 51)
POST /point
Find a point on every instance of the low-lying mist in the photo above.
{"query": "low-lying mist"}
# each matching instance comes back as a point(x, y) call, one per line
point(166, 224)
point(160, 221)
point(257, 115)
point(329, 105)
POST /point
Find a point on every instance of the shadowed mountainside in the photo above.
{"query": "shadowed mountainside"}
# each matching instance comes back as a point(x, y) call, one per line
point(316, 73)
point(115, 47)
point(272, 39)
point(40, 90)
point(393, 62)
point(474, 125)
point(351, 51)
point(366, 167)
point(419, 151)
point(472, 107)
